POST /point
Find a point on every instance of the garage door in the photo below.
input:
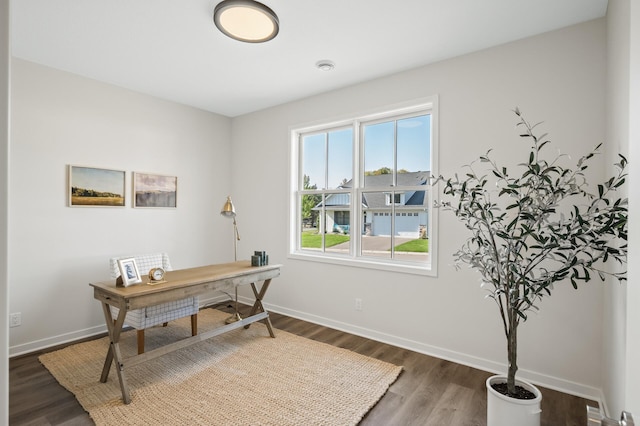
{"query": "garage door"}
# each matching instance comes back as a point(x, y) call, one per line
point(407, 224)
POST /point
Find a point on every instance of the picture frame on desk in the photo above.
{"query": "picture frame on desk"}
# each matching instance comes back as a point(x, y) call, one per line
point(129, 273)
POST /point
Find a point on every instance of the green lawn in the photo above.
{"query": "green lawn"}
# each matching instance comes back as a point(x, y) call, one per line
point(414, 246)
point(312, 239)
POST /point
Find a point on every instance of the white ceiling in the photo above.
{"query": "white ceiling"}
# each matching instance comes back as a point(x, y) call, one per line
point(171, 48)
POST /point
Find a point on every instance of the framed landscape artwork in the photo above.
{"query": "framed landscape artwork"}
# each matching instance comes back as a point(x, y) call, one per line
point(150, 190)
point(95, 187)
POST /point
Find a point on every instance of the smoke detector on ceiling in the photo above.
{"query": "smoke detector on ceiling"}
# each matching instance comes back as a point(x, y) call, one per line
point(325, 65)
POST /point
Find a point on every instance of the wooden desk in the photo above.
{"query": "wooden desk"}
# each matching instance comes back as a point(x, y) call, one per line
point(179, 285)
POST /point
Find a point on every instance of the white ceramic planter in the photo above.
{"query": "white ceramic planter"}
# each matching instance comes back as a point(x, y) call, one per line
point(505, 411)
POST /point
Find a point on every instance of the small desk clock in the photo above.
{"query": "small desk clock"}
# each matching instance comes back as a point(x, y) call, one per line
point(156, 274)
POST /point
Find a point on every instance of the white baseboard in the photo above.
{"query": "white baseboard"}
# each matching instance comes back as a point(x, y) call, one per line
point(566, 386)
point(539, 379)
point(38, 345)
point(60, 339)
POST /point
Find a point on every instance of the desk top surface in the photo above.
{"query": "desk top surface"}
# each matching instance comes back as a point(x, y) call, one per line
point(188, 277)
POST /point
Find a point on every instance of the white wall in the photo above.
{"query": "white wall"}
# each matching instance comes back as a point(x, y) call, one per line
point(55, 250)
point(60, 119)
point(632, 397)
point(558, 78)
point(5, 60)
point(615, 313)
point(621, 340)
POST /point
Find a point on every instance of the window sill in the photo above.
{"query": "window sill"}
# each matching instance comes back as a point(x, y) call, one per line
point(366, 263)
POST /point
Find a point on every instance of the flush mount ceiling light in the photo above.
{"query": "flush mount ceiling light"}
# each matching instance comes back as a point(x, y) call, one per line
point(246, 20)
point(325, 65)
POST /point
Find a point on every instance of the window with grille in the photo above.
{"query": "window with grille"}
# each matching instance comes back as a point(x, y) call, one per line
point(361, 190)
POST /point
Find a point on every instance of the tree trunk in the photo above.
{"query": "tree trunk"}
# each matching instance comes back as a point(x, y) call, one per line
point(512, 354)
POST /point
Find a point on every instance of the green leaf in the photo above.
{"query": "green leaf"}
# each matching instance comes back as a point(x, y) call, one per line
point(552, 219)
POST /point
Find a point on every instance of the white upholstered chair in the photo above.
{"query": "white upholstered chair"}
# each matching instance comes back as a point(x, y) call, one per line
point(158, 314)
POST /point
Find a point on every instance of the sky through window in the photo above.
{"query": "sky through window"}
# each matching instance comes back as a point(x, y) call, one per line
point(336, 162)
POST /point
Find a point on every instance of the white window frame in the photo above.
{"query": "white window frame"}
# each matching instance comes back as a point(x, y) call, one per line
point(388, 198)
point(426, 105)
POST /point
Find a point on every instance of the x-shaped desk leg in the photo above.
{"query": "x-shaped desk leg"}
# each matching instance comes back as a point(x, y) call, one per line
point(114, 354)
point(257, 306)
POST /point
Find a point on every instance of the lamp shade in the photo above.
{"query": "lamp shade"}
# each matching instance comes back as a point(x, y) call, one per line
point(228, 209)
point(246, 20)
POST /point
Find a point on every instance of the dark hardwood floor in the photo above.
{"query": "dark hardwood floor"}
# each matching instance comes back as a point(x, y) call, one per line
point(430, 391)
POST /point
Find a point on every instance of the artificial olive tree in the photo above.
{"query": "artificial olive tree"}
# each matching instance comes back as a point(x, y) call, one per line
point(534, 225)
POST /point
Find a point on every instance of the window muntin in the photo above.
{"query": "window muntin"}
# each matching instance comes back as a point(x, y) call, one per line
point(378, 150)
point(412, 158)
point(398, 198)
point(400, 231)
point(327, 158)
point(326, 222)
point(394, 147)
point(375, 160)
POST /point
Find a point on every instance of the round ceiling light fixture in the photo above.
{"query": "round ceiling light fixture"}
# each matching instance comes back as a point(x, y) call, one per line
point(325, 65)
point(246, 20)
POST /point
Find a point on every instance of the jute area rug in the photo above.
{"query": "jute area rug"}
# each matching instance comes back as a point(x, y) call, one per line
point(243, 377)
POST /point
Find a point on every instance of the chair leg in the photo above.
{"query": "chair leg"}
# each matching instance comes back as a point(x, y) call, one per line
point(140, 342)
point(194, 324)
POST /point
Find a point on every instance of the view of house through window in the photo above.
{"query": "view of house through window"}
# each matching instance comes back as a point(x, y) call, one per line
point(366, 197)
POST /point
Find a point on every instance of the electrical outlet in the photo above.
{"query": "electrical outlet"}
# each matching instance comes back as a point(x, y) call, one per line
point(358, 304)
point(15, 319)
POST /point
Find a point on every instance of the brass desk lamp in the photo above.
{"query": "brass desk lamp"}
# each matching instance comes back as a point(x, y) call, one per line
point(228, 210)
